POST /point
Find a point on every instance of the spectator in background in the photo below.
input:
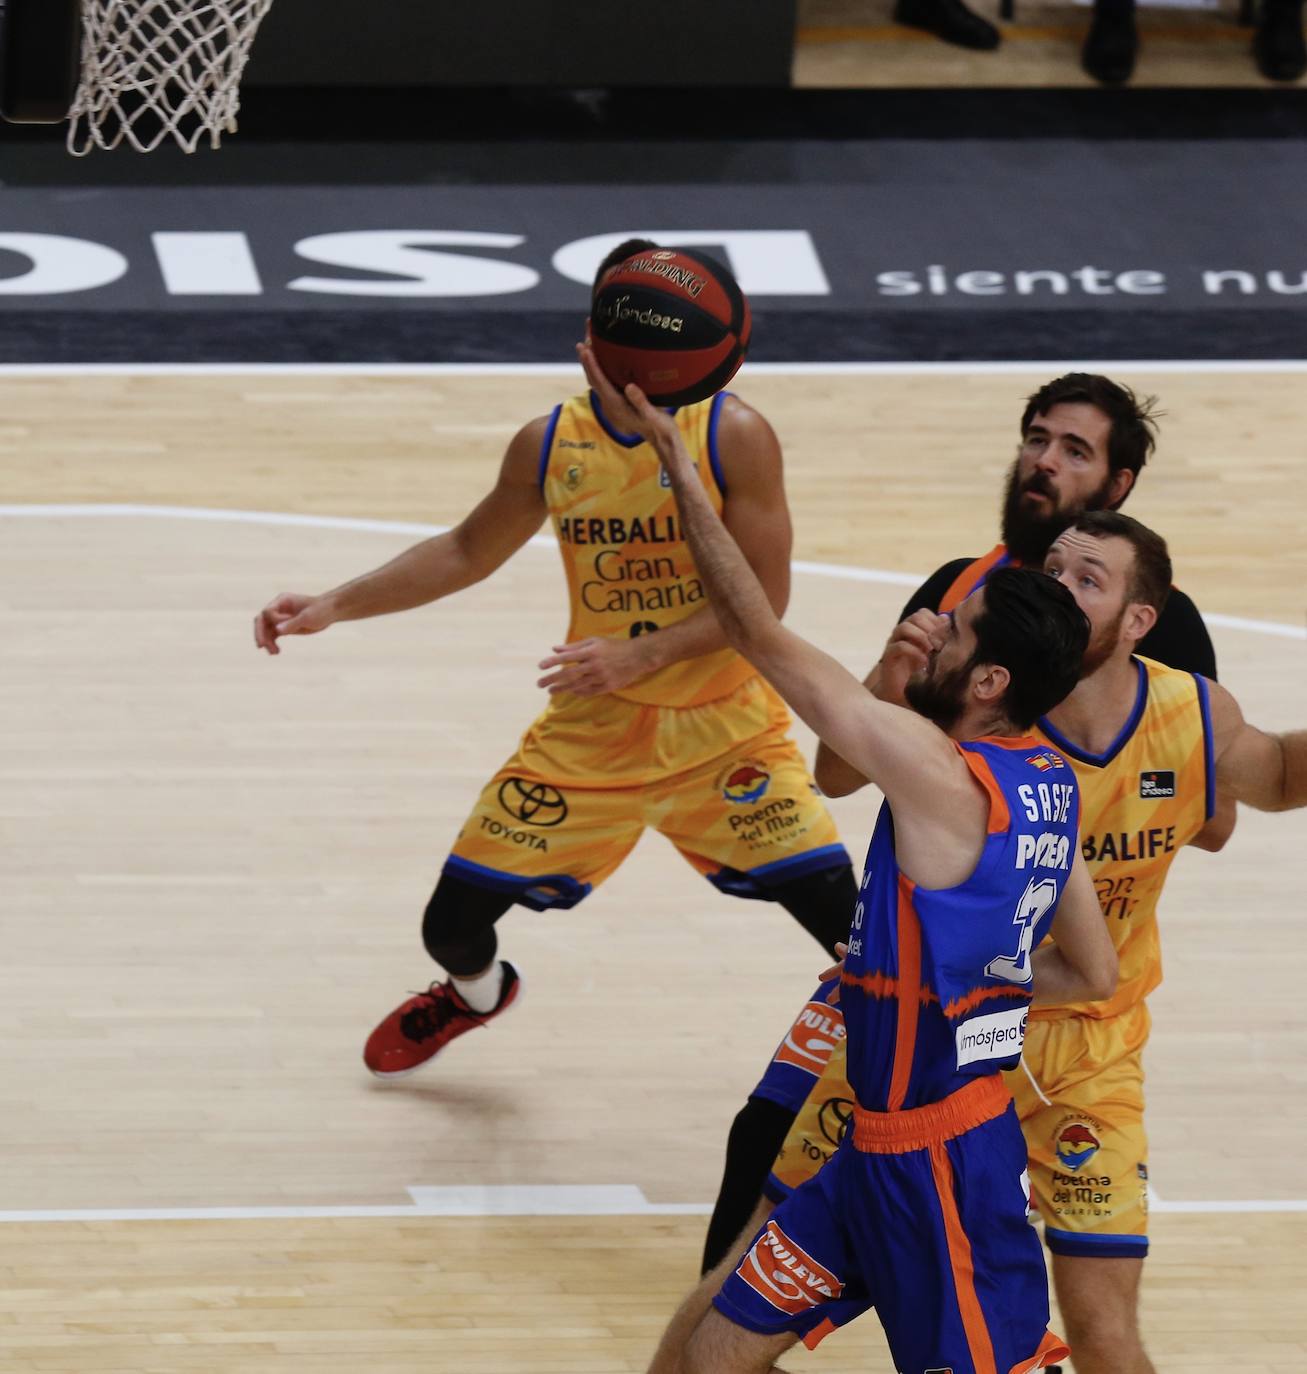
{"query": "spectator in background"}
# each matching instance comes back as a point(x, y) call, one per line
point(1278, 47)
point(1113, 41)
point(950, 20)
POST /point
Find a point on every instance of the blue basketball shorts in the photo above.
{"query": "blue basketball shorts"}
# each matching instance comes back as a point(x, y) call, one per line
point(922, 1214)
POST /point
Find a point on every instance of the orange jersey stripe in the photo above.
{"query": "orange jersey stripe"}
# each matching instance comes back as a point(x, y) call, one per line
point(961, 1005)
point(1000, 817)
point(882, 985)
point(965, 582)
point(964, 1269)
point(905, 1039)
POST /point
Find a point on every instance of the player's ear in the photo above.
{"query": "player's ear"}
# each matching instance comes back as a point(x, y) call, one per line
point(1120, 486)
point(1139, 619)
point(989, 682)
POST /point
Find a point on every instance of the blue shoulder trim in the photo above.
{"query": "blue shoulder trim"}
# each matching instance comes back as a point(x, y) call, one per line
point(1120, 742)
point(1209, 750)
point(547, 445)
point(611, 430)
point(714, 415)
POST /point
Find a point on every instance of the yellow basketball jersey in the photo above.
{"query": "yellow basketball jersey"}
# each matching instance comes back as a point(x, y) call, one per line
point(629, 569)
point(1140, 802)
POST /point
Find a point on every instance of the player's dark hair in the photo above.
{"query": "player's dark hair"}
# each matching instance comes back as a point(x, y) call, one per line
point(1030, 625)
point(1150, 578)
point(627, 249)
point(1133, 432)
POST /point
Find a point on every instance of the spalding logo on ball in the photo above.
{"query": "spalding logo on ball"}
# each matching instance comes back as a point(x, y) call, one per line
point(674, 323)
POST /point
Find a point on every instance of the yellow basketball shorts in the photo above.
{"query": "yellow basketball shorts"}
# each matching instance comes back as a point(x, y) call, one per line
point(817, 1129)
point(1083, 1124)
point(723, 781)
point(1080, 1096)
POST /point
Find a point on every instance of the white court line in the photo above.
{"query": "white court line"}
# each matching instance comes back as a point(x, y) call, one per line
point(340, 522)
point(563, 369)
point(515, 1200)
point(471, 1200)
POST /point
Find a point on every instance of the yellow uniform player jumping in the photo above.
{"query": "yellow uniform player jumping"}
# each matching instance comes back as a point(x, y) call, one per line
point(652, 720)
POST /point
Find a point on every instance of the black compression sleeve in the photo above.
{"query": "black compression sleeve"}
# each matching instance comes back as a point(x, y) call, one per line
point(1180, 639)
point(757, 1134)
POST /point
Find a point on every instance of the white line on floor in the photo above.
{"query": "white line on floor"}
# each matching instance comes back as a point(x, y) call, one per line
point(513, 1200)
point(340, 522)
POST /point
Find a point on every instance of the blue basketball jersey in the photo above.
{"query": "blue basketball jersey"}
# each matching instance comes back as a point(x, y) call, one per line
point(937, 983)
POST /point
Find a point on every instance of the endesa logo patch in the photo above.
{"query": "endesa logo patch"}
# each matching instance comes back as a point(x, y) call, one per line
point(1157, 784)
point(811, 1040)
point(786, 1275)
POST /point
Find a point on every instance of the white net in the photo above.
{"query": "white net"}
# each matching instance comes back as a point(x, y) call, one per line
point(159, 69)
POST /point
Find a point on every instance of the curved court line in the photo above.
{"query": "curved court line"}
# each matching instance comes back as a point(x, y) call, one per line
point(840, 571)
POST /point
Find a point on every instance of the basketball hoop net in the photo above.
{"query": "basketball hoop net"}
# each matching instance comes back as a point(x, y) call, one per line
point(154, 69)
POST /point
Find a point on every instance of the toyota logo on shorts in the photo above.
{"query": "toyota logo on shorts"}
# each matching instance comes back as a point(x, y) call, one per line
point(834, 1118)
point(533, 803)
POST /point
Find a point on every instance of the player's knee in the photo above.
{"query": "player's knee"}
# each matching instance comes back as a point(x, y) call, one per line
point(458, 926)
point(821, 902)
point(1104, 1332)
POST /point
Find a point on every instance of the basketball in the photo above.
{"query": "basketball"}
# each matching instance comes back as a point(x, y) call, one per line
point(675, 322)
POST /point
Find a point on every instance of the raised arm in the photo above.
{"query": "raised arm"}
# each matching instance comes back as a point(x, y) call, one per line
point(496, 528)
point(912, 761)
point(1265, 771)
point(1081, 966)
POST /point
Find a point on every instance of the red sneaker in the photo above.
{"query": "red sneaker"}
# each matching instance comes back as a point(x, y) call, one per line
point(422, 1027)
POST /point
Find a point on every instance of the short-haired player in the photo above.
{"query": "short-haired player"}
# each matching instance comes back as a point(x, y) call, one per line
point(922, 1212)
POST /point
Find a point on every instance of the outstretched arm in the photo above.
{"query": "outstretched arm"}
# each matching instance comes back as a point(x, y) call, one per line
point(499, 525)
point(1266, 771)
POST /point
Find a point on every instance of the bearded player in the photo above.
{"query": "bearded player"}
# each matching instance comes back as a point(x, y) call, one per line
point(922, 1212)
point(1085, 440)
point(652, 719)
point(1150, 746)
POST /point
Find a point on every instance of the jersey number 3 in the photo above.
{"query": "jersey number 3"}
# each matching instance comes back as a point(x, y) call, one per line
point(1035, 901)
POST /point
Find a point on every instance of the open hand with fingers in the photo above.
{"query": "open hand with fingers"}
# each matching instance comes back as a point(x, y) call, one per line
point(590, 667)
point(290, 614)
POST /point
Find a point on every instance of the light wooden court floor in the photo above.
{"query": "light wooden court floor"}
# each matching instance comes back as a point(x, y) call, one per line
point(214, 866)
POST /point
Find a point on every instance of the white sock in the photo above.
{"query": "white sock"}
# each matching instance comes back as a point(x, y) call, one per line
point(482, 992)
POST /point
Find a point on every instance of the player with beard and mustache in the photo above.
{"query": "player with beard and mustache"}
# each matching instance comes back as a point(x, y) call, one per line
point(1084, 441)
point(1150, 746)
